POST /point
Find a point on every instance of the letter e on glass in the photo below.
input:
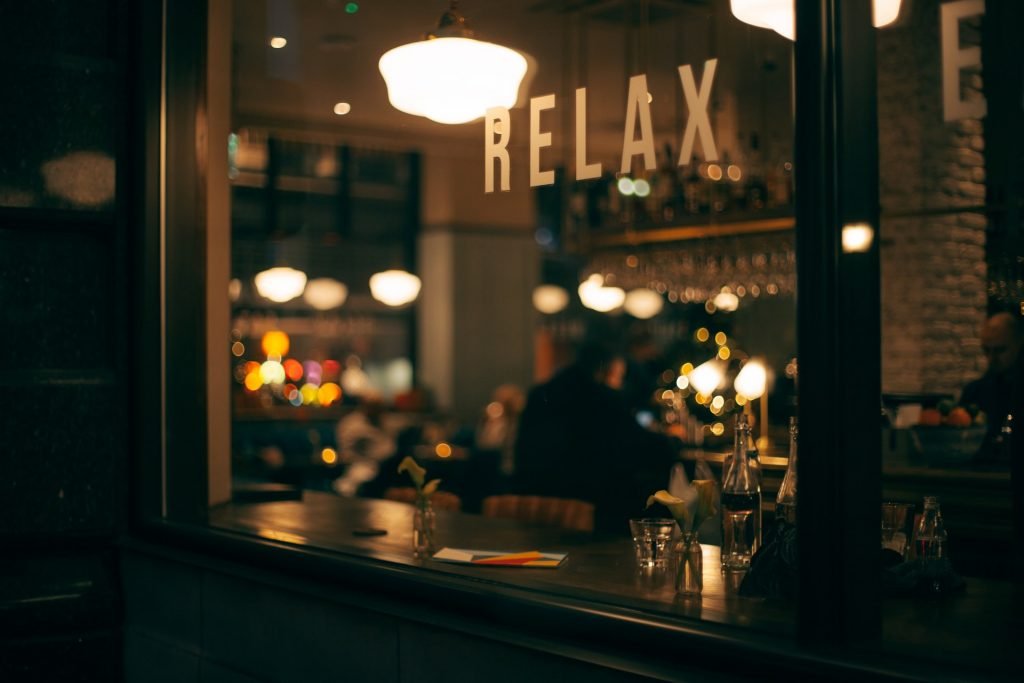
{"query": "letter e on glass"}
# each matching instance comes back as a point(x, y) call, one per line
point(538, 140)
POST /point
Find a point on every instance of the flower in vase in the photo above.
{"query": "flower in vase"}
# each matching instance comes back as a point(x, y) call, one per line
point(418, 475)
point(691, 511)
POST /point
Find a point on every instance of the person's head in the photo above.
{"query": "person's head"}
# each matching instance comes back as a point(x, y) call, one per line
point(601, 362)
point(1000, 342)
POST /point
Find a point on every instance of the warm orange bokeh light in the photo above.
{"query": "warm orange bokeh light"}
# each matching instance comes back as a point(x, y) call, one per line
point(443, 450)
point(293, 369)
point(276, 343)
point(253, 381)
point(328, 393)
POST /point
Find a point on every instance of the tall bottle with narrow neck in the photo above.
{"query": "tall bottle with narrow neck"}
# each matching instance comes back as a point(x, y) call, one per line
point(785, 501)
point(741, 505)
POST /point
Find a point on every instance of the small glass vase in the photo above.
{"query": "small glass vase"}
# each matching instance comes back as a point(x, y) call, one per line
point(690, 567)
point(424, 524)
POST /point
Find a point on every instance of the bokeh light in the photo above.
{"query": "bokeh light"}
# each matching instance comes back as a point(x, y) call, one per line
point(272, 372)
point(703, 335)
point(275, 343)
point(309, 393)
point(443, 450)
point(329, 456)
point(328, 394)
point(293, 369)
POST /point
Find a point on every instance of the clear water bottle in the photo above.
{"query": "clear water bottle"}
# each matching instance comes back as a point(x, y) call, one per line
point(741, 505)
point(930, 542)
point(785, 501)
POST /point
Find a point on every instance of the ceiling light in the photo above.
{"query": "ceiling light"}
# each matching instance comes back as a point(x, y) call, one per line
point(550, 299)
point(751, 381)
point(325, 293)
point(280, 284)
point(643, 303)
point(707, 377)
point(857, 237)
point(342, 108)
point(277, 42)
point(449, 77)
point(597, 297)
point(779, 15)
point(726, 301)
point(394, 287)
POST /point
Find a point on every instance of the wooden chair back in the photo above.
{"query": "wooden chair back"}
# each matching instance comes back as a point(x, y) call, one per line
point(563, 513)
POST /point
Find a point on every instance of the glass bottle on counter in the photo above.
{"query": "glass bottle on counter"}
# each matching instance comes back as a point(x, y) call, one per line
point(930, 542)
point(785, 501)
point(741, 505)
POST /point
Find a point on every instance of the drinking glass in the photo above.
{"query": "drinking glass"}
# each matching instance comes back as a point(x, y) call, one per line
point(653, 540)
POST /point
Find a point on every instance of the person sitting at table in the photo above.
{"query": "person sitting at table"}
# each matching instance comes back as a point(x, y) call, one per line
point(363, 444)
point(578, 439)
point(1001, 337)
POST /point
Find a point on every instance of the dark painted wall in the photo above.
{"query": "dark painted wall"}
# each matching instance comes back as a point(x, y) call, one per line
point(63, 339)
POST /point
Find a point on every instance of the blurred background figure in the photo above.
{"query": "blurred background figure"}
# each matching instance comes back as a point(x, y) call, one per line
point(1001, 337)
point(496, 432)
point(363, 444)
point(578, 439)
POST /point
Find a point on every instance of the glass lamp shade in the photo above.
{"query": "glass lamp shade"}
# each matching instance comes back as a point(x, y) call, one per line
point(751, 381)
point(280, 284)
point(550, 299)
point(726, 301)
point(780, 15)
point(643, 303)
point(394, 287)
point(452, 80)
point(597, 297)
point(324, 293)
point(707, 377)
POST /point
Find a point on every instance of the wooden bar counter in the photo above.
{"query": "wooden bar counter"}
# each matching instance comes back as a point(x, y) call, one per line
point(299, 563)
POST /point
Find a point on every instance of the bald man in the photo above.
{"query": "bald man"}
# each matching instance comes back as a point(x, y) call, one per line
point(1001, 337)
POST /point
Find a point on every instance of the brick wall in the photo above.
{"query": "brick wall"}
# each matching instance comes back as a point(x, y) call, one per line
point(933, 265)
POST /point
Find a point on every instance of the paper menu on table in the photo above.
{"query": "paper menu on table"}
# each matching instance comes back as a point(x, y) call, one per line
point(497, 558)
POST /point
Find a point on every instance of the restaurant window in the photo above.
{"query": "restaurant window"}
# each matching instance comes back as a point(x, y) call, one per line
point(638, 189)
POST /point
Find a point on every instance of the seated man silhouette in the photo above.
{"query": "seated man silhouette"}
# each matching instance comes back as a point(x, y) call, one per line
point(578, 439)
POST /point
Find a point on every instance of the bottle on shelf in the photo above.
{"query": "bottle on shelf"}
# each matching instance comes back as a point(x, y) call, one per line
point(756, 193)
point(741, 505)
point(785, 501)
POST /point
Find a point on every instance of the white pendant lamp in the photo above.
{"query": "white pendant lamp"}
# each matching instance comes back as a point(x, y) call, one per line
point(394, 287)
point(780, 15)
point(597, 297)
point(751, 381)
point(550, 299)
point(325, 293)
point(449, 77)
point(707, 376)
point(280, 284)
point(643, 303)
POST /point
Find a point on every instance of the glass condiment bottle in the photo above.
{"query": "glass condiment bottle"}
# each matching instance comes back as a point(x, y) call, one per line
point(930, 542)
point(741, 505)
point(785, 501)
